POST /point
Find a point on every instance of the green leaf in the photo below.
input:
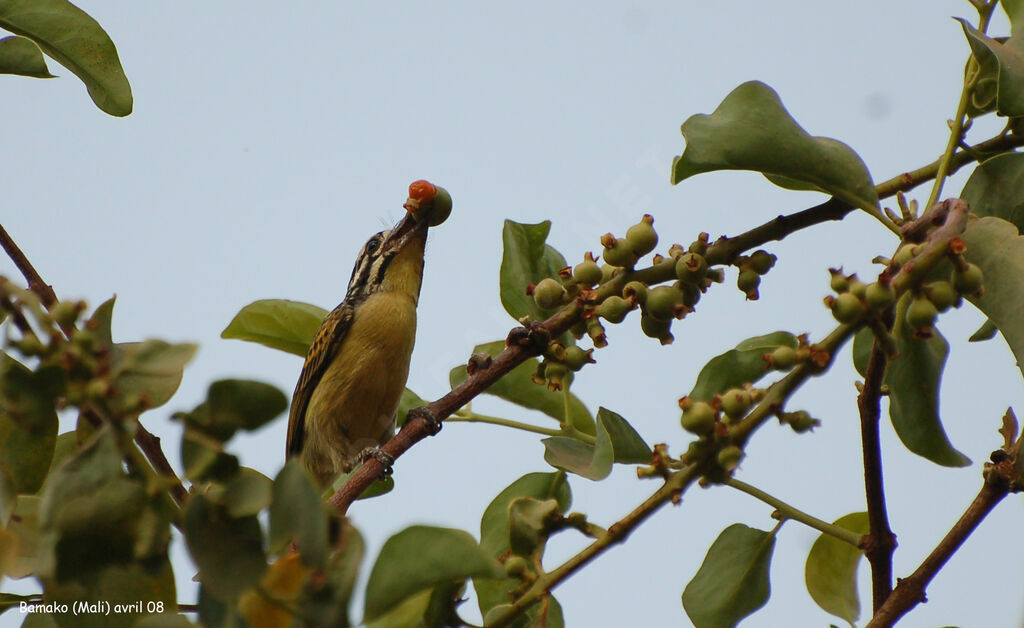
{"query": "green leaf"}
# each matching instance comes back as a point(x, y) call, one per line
point(751, 130)
point(297, 515)
point(629, 446)
point(228, 551)
point(248, 493)
point(234, 403)
point(831, 570)
point(27, 444)
point(525, 260)
point(419, 558)
point(517, 387)
point(280, 324)
point(1008, 60)
point(495, 529)
point(150, 369)
point(996, 247)
point(987, 331)
point(732, 582)
point(996, 188)
point(914, 379)
point(20, 55)
point(25, 526)
point(409, 613)
point(529, 523)
point(744, 364)
point(330, 608)
point(616, 441)
point(27, 396)
point(100, 322)
point(77, 42)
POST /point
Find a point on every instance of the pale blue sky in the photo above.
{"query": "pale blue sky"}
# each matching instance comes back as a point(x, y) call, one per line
point(269, 140)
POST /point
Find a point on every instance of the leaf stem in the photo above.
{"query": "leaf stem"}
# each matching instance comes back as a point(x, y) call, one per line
point(472, 417)
point(789, 512)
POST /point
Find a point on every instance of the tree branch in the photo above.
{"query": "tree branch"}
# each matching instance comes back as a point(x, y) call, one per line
point(146, 441)
point(911, 590)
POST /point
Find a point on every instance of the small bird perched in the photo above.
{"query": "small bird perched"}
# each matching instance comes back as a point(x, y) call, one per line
point(345, 401)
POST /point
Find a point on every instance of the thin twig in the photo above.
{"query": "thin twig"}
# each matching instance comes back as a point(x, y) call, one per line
point(35, 282)
point(880, 542)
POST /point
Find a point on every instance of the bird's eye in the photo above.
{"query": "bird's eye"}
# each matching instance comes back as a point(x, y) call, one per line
point(374, 243)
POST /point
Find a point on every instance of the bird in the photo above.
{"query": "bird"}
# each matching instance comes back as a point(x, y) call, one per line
point(355, 371)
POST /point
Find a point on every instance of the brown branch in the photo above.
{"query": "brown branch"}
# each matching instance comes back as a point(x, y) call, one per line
point(880, 542)
point(146, 441)
point(911, 590)
point(35, 282)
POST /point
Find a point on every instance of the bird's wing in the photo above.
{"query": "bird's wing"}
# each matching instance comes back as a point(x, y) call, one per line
point(325, 346)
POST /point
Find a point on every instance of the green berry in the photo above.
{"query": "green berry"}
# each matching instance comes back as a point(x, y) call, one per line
point(635, 290)
point(614, 309)
point(968, 280)
point(618, 251)
point(921, 314)
point(942, 294)
point(587, 272)
point(663, 302)
point(66, 313)
point(30, 345)
point(642, 237)
point(783, 358)
point(840, 283)
point(762, 261)
point(442, 207)
point(555, 373)
point(748, 281)
point(607, 272)
point(858, 288)
point(691, 293)
point(691, 268)
point(549, 293)
point(847, 308)
point(576, 358)
point(700, 245)
point(879, 296)
point(800, 421)
point(516, 566)
point(729, 457)
point(904, 254)
point(699, 418)
point(654, 328)
point(736, 402)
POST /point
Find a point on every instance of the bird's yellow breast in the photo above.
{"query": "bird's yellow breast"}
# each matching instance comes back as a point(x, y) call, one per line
point(353, 405)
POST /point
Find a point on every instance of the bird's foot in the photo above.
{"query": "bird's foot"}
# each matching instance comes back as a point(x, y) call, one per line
point(384, 458)
point(424, 413)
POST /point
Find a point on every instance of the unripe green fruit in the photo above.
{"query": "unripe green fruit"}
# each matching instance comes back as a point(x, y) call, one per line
point(613, 309)
point(618, 251)
point(879, 296)
point(607, 272)
point(847, 308)
point(729, 457)
point(662, 302)
point(762, 261)
point(637, 290)
point(548, 294)
point(642, 237)
point(783, 358)
point(442, 207)
point(921, 314)
point(700, 245)
point(691, 293)
point(516, 565)
point(654, 328)
point(748, 281)
point(587, 272)
point(97, 389)
point(735, 403)
point(66, 313)
point(699, 418)
point(904, 254)
point(801, 421)
point(555, 373)
point(691, 268)
point(942, 294)
point(858, 288)
point(839, 283)
point(969, 280)
point(575, 357)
